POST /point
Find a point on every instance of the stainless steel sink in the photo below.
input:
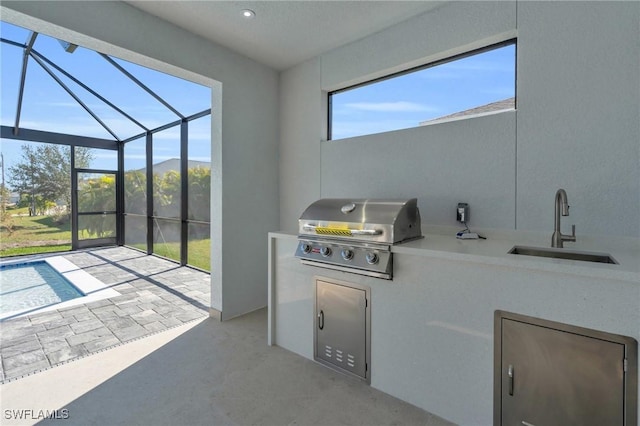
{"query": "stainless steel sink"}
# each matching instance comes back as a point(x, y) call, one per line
point(557, 253)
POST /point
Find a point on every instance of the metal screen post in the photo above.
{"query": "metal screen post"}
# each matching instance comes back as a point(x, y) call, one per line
point(149, 149)
point(120, 229)
point(184, 192)
point(74, 199)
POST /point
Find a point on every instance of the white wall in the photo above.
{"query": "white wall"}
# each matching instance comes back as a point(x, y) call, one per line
point(244, 127)
point(466, 161)
point(300, 129)
point(579, 115)
point(576, 126)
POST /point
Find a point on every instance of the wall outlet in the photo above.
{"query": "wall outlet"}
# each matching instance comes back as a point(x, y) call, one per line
point(462, 212)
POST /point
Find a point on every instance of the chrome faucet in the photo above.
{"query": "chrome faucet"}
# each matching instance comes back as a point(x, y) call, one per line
point(558, 237)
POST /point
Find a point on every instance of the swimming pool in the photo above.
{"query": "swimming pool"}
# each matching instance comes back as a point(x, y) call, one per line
point(46, 284)
point(31, 285)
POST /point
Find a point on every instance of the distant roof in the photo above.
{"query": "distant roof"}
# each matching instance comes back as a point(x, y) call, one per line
point(503, 105)
point(174, 164)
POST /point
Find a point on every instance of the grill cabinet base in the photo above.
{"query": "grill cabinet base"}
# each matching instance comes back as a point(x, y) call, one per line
point(342, 333)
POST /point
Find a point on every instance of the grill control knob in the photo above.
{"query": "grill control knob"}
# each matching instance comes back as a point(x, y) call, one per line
point(306, 248)
point(325, 251)
point(347, 254)
point(372, 258)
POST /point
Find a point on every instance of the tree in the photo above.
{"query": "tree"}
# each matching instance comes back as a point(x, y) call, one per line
point(166, 194)
point(44, 172)
point(4, 192)
point(24, 176)
point(97, 195)
point(135, 190)
point(199, 193)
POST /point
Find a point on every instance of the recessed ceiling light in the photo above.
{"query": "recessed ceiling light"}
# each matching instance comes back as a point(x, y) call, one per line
point(248, 13)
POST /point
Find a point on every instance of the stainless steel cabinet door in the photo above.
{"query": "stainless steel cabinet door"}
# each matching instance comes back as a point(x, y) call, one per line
point(552, 377)
point(341, 327)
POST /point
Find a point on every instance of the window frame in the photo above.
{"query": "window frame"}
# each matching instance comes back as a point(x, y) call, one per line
point(494, 46)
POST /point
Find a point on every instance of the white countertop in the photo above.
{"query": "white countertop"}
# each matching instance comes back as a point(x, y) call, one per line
point(440, 307)
point(440, 242)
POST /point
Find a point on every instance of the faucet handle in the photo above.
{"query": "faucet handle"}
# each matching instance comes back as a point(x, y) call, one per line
point(571, 237)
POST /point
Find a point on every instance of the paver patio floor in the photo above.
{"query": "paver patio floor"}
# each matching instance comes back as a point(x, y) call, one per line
point(155, 295)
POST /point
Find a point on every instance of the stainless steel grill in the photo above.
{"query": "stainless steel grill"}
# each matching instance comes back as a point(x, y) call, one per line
point(356, 235)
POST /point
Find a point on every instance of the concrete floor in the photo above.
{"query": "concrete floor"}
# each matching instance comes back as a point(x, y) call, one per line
point(203, 372)
point(155, 295)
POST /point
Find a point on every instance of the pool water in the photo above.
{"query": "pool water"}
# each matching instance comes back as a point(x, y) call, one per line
point(32, 285)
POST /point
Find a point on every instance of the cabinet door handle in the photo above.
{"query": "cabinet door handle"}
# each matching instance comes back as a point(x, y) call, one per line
point(510, 374)
point(321, 320)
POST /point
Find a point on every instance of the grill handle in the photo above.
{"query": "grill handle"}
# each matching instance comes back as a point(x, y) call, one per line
point(337, 231)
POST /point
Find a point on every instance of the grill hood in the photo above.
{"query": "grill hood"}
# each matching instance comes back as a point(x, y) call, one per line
point(387, 221)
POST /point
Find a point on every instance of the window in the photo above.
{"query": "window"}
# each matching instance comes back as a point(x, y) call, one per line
point(112, 114)
point(478, 82)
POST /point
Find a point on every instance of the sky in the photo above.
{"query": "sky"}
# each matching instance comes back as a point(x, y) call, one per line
point(391, 104)
point(405, 101)
point(47, 106)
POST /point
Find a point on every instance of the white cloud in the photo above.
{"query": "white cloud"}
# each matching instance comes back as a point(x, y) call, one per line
point(123, 127)
point(69, 127)
point(399, 106)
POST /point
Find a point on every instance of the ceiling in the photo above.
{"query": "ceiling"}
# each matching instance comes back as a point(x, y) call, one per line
point(284, 33)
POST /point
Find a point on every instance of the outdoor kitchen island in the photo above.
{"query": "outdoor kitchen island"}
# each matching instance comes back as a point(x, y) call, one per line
point(432, 326)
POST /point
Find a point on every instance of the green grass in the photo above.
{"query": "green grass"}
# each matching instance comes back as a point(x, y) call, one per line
point(26, 234)
point(41, 234)
point(32, 228)
point(17, 251)
point(199, 252)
